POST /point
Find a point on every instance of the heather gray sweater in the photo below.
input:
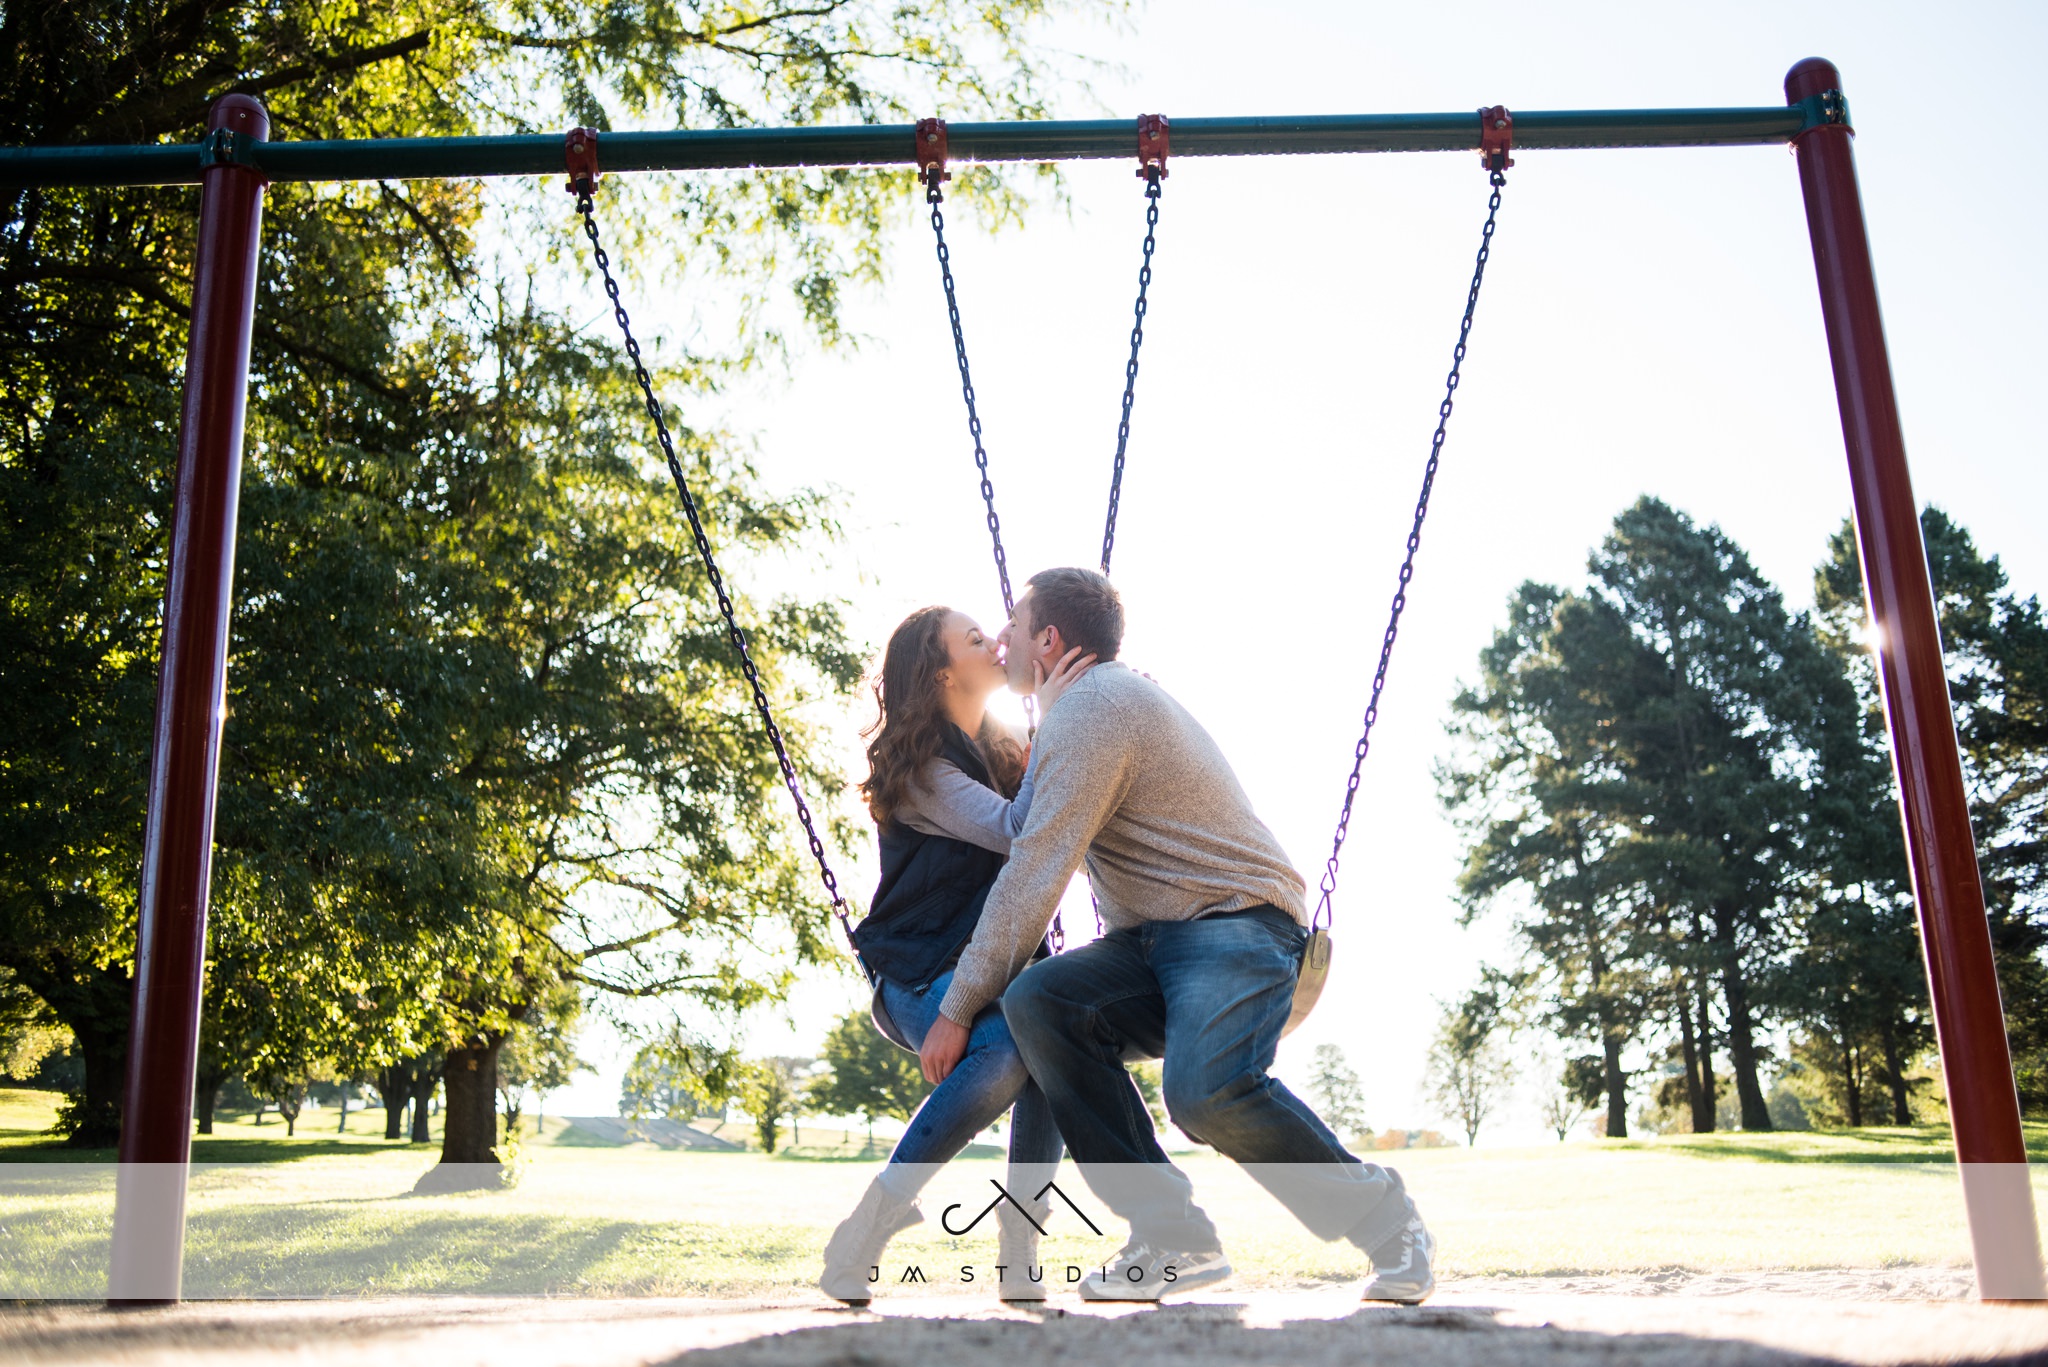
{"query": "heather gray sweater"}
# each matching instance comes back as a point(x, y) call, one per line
point(1128, 780)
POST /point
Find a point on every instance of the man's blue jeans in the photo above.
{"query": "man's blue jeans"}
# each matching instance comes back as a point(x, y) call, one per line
point(1209, 997)
point(988, 1081)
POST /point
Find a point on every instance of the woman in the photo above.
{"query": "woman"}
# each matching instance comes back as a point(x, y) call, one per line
point(949, 789)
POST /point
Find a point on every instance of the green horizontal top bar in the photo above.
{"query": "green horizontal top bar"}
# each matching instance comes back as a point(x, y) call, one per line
point(891, 145)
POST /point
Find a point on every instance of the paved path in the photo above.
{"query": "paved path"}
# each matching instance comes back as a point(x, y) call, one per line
point(1508, 1323)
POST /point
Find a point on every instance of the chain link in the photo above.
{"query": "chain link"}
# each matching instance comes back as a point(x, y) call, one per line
point(933, 196)
point(1436, 446)
point(734, 632)
point(1123, 426)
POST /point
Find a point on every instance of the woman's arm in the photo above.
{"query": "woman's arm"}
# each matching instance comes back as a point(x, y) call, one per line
point(951, 803)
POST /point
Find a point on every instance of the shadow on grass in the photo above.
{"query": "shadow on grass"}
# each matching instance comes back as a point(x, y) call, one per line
point(219, 1149)
point(351, 1247)
point(1920, 1144)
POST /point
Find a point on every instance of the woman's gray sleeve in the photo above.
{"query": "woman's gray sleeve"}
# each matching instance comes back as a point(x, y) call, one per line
point(951, 803)
point(1020, 805)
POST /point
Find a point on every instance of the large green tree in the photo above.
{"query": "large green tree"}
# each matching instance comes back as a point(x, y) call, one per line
point(1530, 785)
point(1996, 645)
point(1674, 770)
point(867, 1075)
point(483, 731)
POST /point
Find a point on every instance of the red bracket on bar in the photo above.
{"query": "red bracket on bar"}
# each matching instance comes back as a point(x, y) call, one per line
point(580, 147)
point(1496, 137)
point(931, 152)
point(1153, 145)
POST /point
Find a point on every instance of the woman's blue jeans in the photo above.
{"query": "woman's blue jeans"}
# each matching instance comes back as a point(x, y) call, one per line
point(989, 1080)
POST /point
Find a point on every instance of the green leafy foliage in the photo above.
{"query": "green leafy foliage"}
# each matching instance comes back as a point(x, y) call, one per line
point(1996, 645)
point(868, 1076)
point(484, 734)
point(1468, 1070)
point(1680, 780)
point(1337, 1092)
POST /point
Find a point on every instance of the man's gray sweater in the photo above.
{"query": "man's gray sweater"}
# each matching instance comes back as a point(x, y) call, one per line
point(1128, 780)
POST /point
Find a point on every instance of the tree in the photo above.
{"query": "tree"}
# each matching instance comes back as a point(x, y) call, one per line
point(540, 1057)
point(1531, 790)
point(1578, 1087)
point(29, 1031)
point(1654, 760)
point(1339, 1097)
point(1149, 1076)
point(654, 1085)
point(867, 1075)
point(1467, 1068)
point(772, 1088)
point(679, 1074)
point(474, 684)
point(1996, 647)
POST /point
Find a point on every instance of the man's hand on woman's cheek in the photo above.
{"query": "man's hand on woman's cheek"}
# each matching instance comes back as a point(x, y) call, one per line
point(945, 1044)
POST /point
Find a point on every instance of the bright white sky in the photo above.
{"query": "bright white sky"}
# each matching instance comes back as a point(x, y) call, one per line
point(1649, 324)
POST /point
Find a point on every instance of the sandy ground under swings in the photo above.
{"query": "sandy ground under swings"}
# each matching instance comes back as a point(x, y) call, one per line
point(1777, 1319)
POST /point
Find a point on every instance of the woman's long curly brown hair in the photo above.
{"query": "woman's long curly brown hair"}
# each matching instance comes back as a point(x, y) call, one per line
point(910, 729)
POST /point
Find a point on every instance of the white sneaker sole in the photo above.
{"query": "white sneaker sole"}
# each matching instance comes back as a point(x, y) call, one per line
point(1098, 1289)
point(1400, 1295)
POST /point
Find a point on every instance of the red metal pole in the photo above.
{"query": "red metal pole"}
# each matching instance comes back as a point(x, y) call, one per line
point(1969, 1022)
point(177, 847)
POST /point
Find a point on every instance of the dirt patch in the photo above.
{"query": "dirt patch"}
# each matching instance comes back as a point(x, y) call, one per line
point(1879, 1319)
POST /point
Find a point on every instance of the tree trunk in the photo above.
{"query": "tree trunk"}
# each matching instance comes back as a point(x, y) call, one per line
point(469, 1123)
point(1695, 1095)
point(96, 1113)
point(1617, 1089)
point(1709, 1085)
point(342, 1128)
point(1895, 1077)
point(394, 1084)
point(1756, 1115)
point(426, 1073)
point(94, 1002)
point(204, 1096)
point(469, 1132)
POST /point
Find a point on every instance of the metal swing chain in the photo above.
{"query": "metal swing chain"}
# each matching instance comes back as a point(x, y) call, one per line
point(1436, 446)
point(734, 631)
point(933, 196)
point(1153, 175)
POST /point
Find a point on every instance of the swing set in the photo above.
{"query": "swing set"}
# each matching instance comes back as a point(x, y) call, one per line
point(235, 160)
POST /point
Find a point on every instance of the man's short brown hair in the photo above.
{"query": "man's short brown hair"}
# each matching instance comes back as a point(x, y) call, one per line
point(1085, 607)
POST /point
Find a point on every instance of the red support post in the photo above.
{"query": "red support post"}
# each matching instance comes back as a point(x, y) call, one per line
point(1969, 1022)
point(177, 847)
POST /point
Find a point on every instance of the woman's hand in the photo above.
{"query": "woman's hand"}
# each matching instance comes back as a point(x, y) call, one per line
point(945, 1044)
point(1047, 688)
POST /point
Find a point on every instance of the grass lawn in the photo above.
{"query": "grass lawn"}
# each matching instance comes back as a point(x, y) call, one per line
point(328, 1214)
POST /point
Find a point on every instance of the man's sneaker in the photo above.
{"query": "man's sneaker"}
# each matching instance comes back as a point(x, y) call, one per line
point(1019, 1275)
point(854, 1253)
point(1142, 1273)
point(1404, 1266)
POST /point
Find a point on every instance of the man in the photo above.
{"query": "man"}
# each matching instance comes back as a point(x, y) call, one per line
point(1204, 927)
